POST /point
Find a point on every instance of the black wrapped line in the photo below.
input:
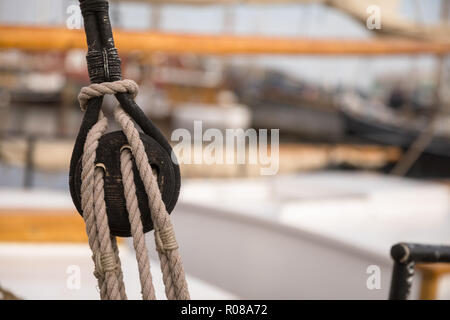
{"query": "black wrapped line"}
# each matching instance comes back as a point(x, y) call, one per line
point(91, 7)
point(102, 58)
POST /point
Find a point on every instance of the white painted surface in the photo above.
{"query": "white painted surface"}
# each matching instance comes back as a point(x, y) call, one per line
point(35, 199)
point(297, 237)
point(361, 209)
point(40, 271)
point(309, 236)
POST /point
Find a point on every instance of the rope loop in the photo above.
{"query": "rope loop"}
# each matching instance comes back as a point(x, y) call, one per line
point(101, 89)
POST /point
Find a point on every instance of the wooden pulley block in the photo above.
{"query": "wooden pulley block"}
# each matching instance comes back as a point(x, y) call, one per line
point(104, 65)
point(108, 157)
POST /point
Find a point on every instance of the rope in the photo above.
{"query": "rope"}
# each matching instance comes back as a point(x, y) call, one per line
point(94, 213)
point(126, 165)
point(171, 265)
point(104, 248)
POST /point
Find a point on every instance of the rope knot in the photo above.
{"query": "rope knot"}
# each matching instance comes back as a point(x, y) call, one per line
point(104, 262)
point(100, 89)
point(165, 239)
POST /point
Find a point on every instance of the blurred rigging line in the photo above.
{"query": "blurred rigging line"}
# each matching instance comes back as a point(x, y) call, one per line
point(424, 139)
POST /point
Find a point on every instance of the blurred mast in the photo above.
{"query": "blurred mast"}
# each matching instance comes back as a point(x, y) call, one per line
point(229, 17)
point(155, 17)
point(228, 28)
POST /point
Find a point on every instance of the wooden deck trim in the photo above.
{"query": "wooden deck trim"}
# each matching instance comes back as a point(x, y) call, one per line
point(431, 277)
point(26, 225)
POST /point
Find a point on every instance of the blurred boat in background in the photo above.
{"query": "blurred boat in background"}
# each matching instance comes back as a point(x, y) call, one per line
point(300, 109)
point(371, 121)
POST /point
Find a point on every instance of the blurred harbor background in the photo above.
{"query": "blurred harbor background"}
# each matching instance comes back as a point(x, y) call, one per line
point(363, 112)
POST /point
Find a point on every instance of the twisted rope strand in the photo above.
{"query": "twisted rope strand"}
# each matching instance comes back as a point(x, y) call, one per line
point(94, 214)
point(126, 166)
point(123, 294)
point(109, 266)
point(171, 264)
point(87, 190)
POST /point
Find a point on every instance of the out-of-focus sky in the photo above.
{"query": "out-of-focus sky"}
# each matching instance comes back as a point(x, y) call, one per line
point(305, 20)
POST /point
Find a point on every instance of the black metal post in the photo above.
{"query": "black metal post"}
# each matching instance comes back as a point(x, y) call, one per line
point(401, 281)
point(405, 256)
point(104, 65)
